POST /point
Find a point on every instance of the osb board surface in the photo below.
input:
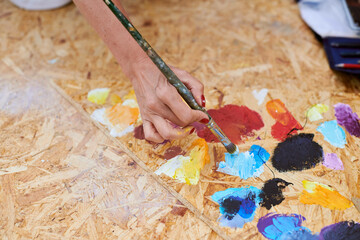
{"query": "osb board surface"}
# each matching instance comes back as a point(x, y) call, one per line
point(211, 181)
point(241, 43)
point(62, 178)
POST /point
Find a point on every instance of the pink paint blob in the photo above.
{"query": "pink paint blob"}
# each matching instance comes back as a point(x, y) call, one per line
point(332, 161)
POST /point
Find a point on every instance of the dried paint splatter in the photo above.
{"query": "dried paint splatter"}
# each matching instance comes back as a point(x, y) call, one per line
point(246, 164)
point(347, 118)
point(346, 230)
point(237, 205)
point(321, 194)
point(332, 161)
point(281, 226)
point(272, 192)
point(314, 113)
point(285, 122)
point(333, 133)
point(297, 153)
point(187, 169)
point(98, 95)
point(121, 117)
point(237, 122)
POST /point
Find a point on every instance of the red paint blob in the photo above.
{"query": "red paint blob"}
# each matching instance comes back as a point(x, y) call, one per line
point(236, 122)
point(285, 121)
point(139, 132)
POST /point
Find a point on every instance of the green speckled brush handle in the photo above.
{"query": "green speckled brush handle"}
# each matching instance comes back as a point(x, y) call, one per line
point(163, 67)
point(171, 77)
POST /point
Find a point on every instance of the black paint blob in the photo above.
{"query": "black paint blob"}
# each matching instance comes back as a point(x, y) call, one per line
point(272, 194)
point(297, 153)
point(347, 230)
point(236, 205)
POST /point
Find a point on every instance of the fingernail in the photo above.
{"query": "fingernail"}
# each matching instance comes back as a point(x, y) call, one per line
point(192, 130)
point(204, 121)
point(203, 102)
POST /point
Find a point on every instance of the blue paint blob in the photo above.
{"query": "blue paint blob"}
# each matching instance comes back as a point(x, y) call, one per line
point(346, 230)
point(281, 226)
point(333, 133)
point(237, 205)
point(246, 164)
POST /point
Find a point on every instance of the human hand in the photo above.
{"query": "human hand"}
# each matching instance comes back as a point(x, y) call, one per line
point(160, 103)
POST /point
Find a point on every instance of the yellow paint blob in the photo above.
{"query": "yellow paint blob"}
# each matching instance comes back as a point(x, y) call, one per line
point(123, 115)
point(130, 95)
point(98, 95)
point(315, 112)
point(321, 194)
point(115, 99)
point(187, 169)
point(199, 157)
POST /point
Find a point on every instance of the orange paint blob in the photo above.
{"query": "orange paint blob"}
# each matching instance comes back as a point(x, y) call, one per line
point(321, 194)
point(119, 114)
point(285, 122)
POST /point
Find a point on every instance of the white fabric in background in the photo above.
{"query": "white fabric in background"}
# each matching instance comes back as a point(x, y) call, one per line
point(40, 4)
point(327, 18)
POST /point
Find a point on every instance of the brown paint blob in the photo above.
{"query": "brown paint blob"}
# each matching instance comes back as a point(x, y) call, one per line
point(237, 122)
point(172, 152)
point(139, 132)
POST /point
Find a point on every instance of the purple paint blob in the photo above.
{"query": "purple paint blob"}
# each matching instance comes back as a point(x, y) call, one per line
point(332, 161)
point(347, 230)
point(347, 118)
point(284, 226)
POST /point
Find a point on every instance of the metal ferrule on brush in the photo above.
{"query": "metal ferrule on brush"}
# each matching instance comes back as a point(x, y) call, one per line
point(215, 129)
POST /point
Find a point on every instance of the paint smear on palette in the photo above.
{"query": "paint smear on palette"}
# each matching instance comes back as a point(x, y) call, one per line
point(297, 153)
point(314, 113)
point(260, 95)
point(333, 133)
point(346, 230)
point(332, 161)
point(321, 194)
point(98, 95)
point(187, 169)
point(237, 122)
point(237, 205)
point(172, 152)
point(120, 118)
point(282, 226)
point(246, 164)
point(139, 132)
point(285, 122)
point(272, 192)
point(347, 118)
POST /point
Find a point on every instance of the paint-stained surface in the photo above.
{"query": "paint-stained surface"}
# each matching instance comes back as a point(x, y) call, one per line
point(245, 164)
point(187, 169)
point(314, 113)
point(285, 124)
point(297, 153)
point(347, 118)
point(346, 230)
point(237, 122)
point(333, 133)
point(98, 95)
point(321, 194)
point(237, 205)
point(331, 160)
point(282, 226)
point(272, 192)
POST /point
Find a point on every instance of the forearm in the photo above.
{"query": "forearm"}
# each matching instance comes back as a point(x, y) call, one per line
point(124, 48)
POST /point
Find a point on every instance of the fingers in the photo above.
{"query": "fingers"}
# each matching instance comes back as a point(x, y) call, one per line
point(193, 84)
point(151, 133)
point(167, 131)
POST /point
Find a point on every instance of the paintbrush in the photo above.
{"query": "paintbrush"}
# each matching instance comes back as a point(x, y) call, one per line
point(171, 77)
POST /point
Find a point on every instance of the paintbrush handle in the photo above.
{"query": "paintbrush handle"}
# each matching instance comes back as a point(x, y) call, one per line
point(163, 67)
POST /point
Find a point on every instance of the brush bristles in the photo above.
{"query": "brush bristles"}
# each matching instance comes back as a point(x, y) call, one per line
point(231, 148)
